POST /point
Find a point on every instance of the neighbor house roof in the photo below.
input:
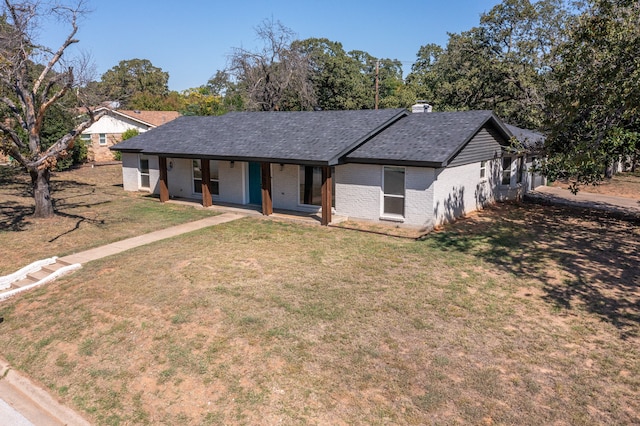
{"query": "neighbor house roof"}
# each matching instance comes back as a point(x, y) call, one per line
point(154, 118)
point(318, 137)
point(426, 139)
point(528, 138)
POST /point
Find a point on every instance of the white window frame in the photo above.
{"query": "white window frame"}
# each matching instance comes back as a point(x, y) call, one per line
point(85, 137)
point(102, 141)
point(394, 216)
point(141, 173)
point(509, 170)
point(483, 171)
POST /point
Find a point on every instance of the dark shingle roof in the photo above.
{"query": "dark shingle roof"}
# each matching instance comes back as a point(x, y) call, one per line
point(319, 137)
point(528, 138)
point(427, 139)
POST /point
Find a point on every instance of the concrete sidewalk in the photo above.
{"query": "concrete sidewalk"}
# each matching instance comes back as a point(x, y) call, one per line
point(129, 243)
point(23, 403)
point(622, 206)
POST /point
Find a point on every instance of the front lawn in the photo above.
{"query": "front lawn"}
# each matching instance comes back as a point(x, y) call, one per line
point(92, 208)
point(521, 314)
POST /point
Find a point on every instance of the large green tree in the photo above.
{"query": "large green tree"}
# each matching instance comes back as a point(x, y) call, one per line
point(502, 64)
point(594, 110)
point(134, 78)
point(336, 76)
point(34, 82)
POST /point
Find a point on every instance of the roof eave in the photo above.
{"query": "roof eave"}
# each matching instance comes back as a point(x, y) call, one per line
point(394, 162)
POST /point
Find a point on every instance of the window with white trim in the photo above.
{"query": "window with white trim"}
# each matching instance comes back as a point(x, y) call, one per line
point(393, 188)
point(506, 171)
point(214, 177)
point(143, 168)
point(483, 170)
point(103, 139)
point(86, 138)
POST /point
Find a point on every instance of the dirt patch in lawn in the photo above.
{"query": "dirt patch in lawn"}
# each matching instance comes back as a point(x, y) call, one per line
point(520, 314)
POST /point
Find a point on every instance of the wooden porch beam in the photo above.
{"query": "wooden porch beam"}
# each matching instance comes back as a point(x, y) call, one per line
point(267, 202)
point(207, 200)
point(164, 184)
point(327, 198)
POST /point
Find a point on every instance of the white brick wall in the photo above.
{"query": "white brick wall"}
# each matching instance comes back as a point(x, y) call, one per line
point(358, 190)
point(233, 182)
point(285, 187)
point(130, 180)
point(419, 190)
point(359, 193)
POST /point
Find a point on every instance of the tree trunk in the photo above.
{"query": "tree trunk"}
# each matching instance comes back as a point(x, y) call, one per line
point(41, 195)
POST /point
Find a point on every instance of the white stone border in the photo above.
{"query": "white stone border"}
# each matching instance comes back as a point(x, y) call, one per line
point(7, 280)
point(60, 272)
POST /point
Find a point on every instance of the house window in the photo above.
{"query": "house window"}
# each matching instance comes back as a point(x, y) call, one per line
point(214, 177)
point(506, 171)
point(393, 189)
point(86, 138)
point(483, 170)
point(103, 139)
point(310, 179)
point(144, 173)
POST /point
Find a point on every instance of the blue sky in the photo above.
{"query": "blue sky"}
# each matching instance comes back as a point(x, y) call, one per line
point(191, 39)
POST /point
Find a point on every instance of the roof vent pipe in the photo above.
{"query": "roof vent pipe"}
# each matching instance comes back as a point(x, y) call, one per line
point(421, 106)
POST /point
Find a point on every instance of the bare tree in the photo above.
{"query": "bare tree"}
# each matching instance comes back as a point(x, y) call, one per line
point(276, 77)
point(33, 79)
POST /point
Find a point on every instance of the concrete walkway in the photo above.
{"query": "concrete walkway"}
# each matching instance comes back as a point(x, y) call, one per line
point(622, 206)
point(23, 403)
point(129, 243)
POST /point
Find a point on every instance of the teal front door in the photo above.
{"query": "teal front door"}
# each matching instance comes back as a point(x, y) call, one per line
point(255, 183)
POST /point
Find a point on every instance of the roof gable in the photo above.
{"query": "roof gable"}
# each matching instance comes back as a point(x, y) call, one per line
point(427, 139)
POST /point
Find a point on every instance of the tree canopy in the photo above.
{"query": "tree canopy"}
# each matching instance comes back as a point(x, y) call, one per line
point(135, 81)
point(594, 109)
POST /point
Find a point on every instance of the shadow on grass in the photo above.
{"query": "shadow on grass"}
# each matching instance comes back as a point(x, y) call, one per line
point(12, 216)
point(583, 258)
point(79, 220)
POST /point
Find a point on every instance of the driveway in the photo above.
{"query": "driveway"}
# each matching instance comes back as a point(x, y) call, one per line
point(618, 205)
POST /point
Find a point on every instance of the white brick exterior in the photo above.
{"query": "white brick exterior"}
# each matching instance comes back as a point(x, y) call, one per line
point(359, 193)
point(432, 196)
point(460, 190)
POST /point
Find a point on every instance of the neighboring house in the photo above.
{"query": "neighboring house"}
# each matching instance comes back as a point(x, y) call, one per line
point(533, 144)
point(108, 130)
point(420, 169)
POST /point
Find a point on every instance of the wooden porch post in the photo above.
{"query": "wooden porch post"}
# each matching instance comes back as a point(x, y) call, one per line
point(327, 186)
point(164, 185)
point(267, 203)
point(206, 183)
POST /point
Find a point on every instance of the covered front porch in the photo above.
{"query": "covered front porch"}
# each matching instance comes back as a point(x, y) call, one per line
point(252, 184)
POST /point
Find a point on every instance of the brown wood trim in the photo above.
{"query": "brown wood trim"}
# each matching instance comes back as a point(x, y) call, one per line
point(164, 183)
point(267, 202)
point(207, 200)
point(327, 185)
